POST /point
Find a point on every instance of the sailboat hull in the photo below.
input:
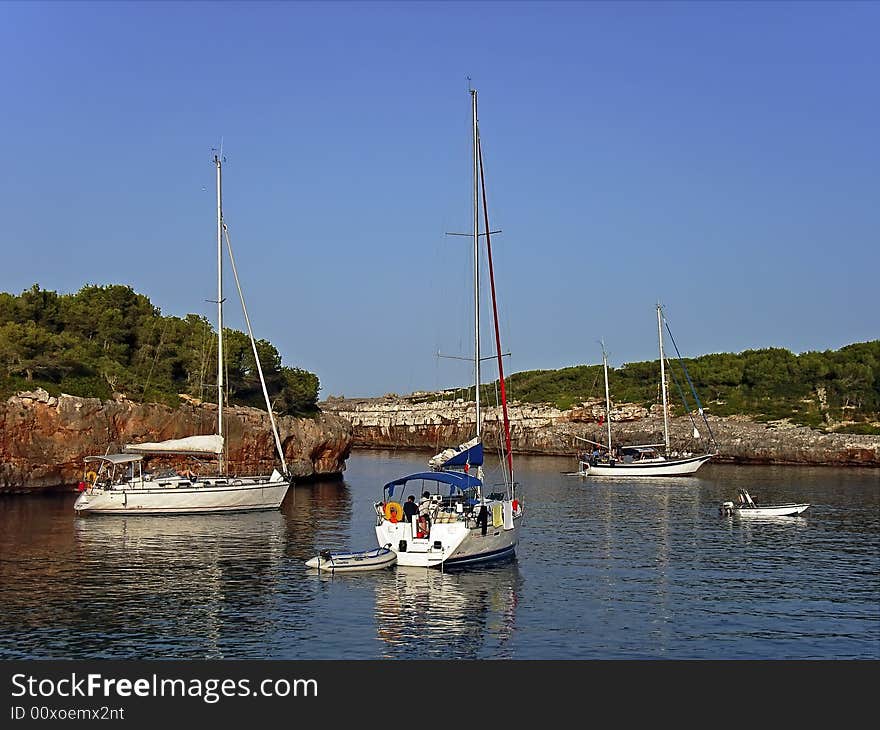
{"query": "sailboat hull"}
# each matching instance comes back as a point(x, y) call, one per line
point(236, 495)
point(658, 468)
point(489, 548)
point(448, 545)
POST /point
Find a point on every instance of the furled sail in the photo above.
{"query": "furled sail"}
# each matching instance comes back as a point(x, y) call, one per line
point(467, 453)
point(212, 444)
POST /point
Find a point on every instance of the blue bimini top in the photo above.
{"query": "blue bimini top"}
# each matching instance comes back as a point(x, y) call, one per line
point(456, 480)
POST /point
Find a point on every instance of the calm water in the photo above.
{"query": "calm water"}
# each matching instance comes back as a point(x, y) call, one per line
point(605, 569)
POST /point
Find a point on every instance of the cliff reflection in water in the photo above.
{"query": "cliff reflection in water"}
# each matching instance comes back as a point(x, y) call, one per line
point(464, 615)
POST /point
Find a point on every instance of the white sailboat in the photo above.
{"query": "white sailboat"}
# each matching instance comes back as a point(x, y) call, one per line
point(642, 460)
point(118, 483)
point(465, 526)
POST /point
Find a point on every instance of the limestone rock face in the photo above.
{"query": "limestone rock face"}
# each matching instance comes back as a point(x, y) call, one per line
point(395, 422)
point(43, 439)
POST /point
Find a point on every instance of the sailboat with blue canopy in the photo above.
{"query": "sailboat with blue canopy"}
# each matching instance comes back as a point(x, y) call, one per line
point(467, 526)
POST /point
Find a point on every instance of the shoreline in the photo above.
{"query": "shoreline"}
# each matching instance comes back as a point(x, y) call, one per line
point(396, 422)
point(716, 460)
point(57, 490)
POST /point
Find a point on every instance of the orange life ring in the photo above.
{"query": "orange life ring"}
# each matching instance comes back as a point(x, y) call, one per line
point(90, 477)
point(393, 511)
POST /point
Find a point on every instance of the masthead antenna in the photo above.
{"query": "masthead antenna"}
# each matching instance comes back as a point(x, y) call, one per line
point(218, 152)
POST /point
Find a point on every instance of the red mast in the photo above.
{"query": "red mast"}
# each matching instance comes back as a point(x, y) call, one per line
point(495, 318)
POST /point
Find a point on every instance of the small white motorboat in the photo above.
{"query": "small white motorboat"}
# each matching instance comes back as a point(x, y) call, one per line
point(383, 557)
point(748, 508)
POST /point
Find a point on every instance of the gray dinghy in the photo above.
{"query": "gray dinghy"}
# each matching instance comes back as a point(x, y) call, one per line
point(377, 559)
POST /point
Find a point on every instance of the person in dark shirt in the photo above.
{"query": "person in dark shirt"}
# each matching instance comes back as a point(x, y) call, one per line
point(410, 508)
point(483, 519)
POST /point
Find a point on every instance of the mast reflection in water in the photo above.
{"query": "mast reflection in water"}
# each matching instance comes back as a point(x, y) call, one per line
point(424, 613)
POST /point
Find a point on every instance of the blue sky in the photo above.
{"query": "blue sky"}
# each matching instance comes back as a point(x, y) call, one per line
point(719, 157)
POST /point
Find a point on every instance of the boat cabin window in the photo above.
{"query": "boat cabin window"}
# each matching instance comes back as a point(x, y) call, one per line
point(638, 454)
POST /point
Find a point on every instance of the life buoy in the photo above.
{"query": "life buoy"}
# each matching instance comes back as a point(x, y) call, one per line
point(393, 511)
point(90, 477)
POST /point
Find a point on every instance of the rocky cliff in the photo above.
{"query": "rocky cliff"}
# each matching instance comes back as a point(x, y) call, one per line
point(537, 429)
point(43, 439)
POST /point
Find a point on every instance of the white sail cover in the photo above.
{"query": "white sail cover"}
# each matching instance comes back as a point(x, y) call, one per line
point(212, 444)
point(467, 453)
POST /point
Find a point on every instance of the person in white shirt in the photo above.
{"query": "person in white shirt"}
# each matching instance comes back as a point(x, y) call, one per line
point(425, 504)
point(425, 511)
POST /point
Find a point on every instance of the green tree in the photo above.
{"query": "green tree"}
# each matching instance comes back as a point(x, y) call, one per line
point(299, 392)
point(8, 308)
point(28, 348)
point(41, 307)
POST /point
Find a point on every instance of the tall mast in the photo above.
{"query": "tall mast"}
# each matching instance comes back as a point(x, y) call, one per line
point(507, 450)
point(607, 397)
point(476, 260)
point(220, 383)
point(663, 375)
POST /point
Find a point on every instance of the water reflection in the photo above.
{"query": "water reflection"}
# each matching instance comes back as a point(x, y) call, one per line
point(317, 516)
point(604, 570)
point(153, 586)
point(181, 583)
point(425, 613)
